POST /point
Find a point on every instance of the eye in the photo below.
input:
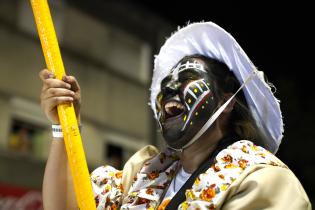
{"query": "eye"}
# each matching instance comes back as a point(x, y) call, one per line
point(188, 75)
point(165, 81)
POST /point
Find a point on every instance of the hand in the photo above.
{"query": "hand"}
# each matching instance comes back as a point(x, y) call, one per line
point(55, 92)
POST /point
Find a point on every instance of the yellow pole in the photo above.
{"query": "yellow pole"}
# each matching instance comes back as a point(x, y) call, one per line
point(72, 137)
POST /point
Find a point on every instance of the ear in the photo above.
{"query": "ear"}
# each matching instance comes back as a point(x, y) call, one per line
point(230, 106)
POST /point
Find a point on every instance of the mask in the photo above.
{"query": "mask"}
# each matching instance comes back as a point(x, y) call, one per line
point(185, 103)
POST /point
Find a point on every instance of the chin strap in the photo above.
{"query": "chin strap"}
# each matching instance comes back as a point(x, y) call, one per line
point(215, 115)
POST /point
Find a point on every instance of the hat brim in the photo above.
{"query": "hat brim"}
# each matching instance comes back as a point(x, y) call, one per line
point(210, 40)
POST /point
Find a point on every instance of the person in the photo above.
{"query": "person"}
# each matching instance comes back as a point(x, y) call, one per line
point(222, 125)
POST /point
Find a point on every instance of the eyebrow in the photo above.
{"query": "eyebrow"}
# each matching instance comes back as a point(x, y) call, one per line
point(192, 70)
point(189, 65)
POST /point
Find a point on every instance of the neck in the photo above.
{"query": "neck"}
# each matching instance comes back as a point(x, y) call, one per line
point(196, 153)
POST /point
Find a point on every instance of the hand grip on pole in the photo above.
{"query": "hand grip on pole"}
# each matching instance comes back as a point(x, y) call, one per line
point(66, 113)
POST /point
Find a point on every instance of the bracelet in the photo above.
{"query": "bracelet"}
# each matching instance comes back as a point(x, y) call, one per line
point(57, 131)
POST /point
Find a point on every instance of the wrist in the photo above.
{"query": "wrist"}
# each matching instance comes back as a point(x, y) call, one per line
point(57, 131)
point(55, 121)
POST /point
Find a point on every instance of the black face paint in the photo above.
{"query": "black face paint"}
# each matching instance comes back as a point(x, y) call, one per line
point(185, 103)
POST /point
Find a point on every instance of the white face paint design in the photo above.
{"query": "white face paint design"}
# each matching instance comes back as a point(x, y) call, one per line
point(194, 94)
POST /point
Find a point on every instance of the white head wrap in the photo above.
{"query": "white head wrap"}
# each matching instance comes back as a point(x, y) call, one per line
point(208, 39)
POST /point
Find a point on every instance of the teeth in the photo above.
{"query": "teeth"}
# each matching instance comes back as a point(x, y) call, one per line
point(174, 104)
point(169, 107)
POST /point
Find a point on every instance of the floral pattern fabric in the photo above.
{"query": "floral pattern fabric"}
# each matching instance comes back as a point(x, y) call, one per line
point(107, 187)
point(150, 184)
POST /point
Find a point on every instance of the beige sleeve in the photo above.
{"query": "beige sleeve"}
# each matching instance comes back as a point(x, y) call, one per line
point(269, 188)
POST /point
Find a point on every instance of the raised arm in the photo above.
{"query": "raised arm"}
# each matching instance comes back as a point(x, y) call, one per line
point(58, 192)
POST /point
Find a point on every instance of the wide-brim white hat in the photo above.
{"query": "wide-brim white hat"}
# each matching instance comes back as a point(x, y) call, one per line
point(209, 39)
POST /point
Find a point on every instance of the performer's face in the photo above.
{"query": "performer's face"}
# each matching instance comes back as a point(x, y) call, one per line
point(185, 102)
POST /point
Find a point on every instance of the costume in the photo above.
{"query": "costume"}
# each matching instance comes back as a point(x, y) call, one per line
point(244, 177)
point(240, 175)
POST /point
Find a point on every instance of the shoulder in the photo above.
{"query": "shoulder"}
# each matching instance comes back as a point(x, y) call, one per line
point(274, 176)
point(264, 182)
point(267, 187)
point(244, 176)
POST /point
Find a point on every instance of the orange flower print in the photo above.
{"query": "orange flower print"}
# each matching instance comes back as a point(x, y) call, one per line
point(121, 188)
point(164, 204)
point(142, 201)
point(216, 168)
point(227, 159)
point(97, 200)
point(221, 176)
point(263, 155)
point(104, 181)
point(231, 165)
point(153, 175)
point(208, 194)
point(242, 163)
point(118, 175)
point(149, 191)
point(113, 207)
point(211, 207)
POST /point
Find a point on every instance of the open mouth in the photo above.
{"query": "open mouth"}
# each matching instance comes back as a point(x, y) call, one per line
point(173, 109)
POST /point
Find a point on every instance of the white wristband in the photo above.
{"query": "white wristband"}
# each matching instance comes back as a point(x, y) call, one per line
point(57, 131)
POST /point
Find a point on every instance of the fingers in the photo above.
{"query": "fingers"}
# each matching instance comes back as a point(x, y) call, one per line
point(54, 101)
point(45, 74)
point(50, 104)
point(72, 81)
point(50, 81)
point(55, 83)
point(54, 91)
point(57, 92)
